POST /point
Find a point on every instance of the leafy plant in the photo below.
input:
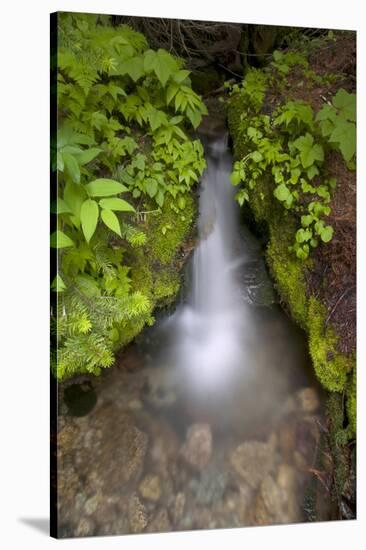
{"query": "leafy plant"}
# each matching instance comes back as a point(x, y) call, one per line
point(122, 147)
point(290, 147)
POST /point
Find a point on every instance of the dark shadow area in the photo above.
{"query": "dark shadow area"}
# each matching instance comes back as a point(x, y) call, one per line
point(40, 524)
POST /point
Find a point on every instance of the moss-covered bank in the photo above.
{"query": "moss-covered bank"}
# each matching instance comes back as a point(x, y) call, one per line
point(335, 370)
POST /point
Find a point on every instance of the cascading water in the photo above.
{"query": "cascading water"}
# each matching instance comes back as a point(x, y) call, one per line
point(214, 348)
point(212, 331)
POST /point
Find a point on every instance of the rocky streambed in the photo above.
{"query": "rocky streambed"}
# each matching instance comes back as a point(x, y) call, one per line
point(135, 463)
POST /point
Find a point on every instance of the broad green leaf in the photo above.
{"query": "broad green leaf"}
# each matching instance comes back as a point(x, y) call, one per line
point(194, 116)
point(345, 135)
point(59, 239)
point(59, 206)
point(235, 178)
point(134, 67)
point(74, 196)
point(104, 187)
point(110, 219)
point(151, 187)
point(257, 156)
point(181, 75)
point(116, 204)
point(71, 167)
point(346, 103)
point(164, 66)
point(89, 214)
point(171, 91)
point(57, 284)
point(160, 198)
point(281, 192)
point(88, 155)
point(326, 234)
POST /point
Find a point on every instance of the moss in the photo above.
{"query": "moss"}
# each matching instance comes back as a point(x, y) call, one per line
point(338, 440)
point(167, 232)
point(351, 401)
point(166, 287)
point(331, 367)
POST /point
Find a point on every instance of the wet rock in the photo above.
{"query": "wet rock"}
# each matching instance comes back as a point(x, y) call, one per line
point(150, 488)
point(197, 449)
point(210, 486)
point(92, 504)
point(122, 449)
point(287, 438)
point(66, 437)
point(277, 500)
point(137, 514)
point(286, 477)
point(308, 400)
point(300, 461)
point(85, 528)
point(160, 522)
point(134, 404)
point(253, 460)
point(178, 507)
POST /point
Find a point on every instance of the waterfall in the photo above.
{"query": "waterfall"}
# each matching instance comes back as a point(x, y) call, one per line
point(211, 328)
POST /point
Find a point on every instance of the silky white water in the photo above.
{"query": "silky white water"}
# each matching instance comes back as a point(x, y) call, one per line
point(212, 329)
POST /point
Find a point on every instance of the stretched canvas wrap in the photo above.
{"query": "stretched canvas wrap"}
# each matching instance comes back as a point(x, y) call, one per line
point(203, 330)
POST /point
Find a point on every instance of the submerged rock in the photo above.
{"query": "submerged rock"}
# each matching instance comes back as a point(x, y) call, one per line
point(253, 460)
point(137, 514)
point(150, 488)
point(160, 522)
point(85, 528)
point(197, 449)
point(308, 400)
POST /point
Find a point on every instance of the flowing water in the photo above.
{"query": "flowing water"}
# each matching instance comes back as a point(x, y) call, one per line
point(212, 418)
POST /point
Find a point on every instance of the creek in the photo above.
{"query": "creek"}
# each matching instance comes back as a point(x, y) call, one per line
point(212, 417)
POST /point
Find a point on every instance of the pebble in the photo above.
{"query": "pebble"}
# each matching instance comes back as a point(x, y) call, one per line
point(137, 515)
point(160, 522)
point(197, 449)
point(253, 460)
point(85, 528)
point(150, 488)
point(308, 400)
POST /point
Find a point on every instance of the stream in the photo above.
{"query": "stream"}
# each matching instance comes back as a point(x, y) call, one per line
point(212, 418)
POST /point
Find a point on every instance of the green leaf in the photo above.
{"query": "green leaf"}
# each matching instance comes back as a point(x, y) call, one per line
point(71, 167)
point(74, 196)
point(57, 284)
point(182, 203)
point(134, 67)
point(345, 135)
point(59, 239)
point(89, 214)
point(110, 219)
point(171, 91)
point(194, 116)
point(59, 206)
point(104, 187)
point(116, 204)
point(235, 177)
point(346, 103)
point(88, 155)
point(257, 156)
point(309, 152)
point(281, 192)
point(326, 234)
point(151, 187)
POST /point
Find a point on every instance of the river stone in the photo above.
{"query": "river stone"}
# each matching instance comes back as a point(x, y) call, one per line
point(160, 522)
point(92, 504)
point(197, 449)
point(178, 508)
point(123, 449)
point(150, 488)
point(308, 400)
point(253, 460)
point(85, 528)
point(137, 514)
